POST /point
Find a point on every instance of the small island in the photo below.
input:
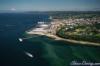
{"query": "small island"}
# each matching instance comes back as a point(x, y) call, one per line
point(81, 28)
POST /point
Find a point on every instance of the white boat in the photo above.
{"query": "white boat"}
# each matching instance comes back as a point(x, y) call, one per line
point(20, 39)
point(29, 54)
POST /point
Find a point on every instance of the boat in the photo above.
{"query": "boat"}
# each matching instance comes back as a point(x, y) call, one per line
point(20, 39)
point(29, 54)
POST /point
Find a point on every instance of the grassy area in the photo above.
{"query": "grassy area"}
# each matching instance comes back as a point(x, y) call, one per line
point(81, 32)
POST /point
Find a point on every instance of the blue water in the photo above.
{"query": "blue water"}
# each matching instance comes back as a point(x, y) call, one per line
point(46, 51)
point(12, 26)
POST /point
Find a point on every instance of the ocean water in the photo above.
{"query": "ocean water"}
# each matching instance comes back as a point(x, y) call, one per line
point(45, 50)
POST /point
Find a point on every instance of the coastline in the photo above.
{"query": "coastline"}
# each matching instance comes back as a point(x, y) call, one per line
point(50, 30)
point(55, 37)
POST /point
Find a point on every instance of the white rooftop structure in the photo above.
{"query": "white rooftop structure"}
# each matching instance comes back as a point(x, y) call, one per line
point(50, 17)
point(41, 22)
point(44, 25)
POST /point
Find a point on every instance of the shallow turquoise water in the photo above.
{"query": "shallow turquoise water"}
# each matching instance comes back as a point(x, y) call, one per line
point(60, 53)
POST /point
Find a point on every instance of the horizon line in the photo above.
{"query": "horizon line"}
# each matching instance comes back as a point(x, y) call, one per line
point(50, 11)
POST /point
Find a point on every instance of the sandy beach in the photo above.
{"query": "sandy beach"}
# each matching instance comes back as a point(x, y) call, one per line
point(55, 37)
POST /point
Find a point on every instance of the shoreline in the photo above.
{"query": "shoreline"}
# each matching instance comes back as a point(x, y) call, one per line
point(51, 28)
point(73, 41)
point(55, 37)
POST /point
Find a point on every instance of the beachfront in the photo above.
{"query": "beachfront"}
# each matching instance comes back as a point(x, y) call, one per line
point(50, 30)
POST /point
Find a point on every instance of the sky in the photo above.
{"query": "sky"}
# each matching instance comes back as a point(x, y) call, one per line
point(50, 5)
